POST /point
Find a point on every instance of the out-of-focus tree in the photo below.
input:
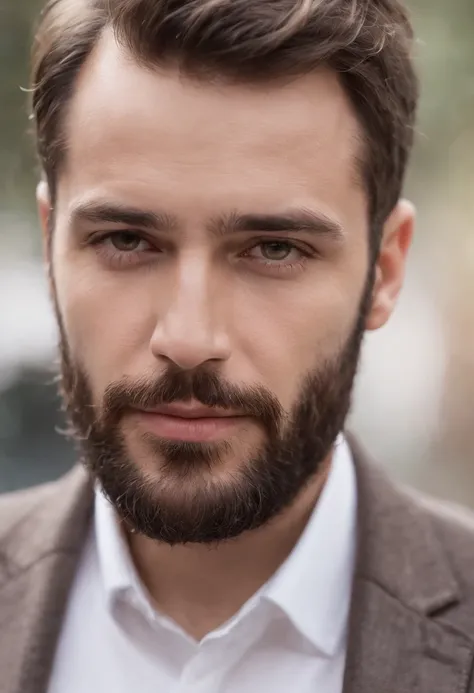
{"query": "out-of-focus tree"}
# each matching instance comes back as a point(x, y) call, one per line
point(16, 153)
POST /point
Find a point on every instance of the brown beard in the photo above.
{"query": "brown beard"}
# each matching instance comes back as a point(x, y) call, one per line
point(175, 506)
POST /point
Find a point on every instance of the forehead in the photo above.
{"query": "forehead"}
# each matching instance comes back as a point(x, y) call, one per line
point(133, 129)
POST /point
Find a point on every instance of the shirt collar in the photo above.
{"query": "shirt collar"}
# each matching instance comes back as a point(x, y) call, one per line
point(312, 587)
point(119, 576)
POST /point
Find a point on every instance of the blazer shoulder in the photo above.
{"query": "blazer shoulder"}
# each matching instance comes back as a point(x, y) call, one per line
point(453, 522)
point(421, 522)
point(16, 506)
point(454, 526)
point(43, 518)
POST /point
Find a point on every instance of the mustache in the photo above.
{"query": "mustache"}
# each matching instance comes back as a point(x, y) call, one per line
point(201, 385)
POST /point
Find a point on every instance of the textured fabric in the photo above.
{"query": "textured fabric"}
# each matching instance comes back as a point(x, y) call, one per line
point(291, 633)
point(411, 627)
point(42, 532)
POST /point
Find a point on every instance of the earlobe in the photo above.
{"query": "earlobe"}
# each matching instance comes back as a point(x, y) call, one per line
point(391, 264)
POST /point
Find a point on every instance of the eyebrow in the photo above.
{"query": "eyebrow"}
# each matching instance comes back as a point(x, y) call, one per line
point(296, 220)
point(107, 213)
point(291, 221)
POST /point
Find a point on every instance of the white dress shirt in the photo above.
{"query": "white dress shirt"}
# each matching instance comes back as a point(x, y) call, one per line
point(291, 635)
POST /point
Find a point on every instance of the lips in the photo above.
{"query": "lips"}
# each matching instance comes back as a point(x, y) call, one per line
point(189, 422)
point(191, 411)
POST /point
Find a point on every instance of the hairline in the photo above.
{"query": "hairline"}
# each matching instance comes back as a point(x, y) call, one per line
point(202, 75)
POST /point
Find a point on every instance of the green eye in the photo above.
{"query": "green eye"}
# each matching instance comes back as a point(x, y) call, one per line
point(276, 250)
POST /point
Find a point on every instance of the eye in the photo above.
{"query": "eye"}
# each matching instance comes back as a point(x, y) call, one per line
point(126, 241)
point(278, 255)
point(124, 248)
point(276, 251)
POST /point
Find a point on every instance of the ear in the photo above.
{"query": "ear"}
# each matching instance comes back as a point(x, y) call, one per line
point(43, 200)
point(391, 263)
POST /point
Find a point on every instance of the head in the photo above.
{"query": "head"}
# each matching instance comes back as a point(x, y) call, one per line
point(222, 218)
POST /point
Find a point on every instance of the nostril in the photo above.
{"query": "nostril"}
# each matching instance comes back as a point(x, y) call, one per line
point(187, 353)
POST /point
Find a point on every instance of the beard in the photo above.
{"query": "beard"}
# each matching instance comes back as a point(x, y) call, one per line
point(179, 499)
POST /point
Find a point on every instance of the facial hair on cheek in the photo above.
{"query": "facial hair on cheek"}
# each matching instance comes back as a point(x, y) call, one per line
point(174, 505)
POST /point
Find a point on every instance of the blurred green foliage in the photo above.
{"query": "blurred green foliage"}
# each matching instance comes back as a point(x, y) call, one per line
point(16, 152)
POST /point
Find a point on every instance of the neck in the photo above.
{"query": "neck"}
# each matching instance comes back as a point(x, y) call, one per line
point(201, 587)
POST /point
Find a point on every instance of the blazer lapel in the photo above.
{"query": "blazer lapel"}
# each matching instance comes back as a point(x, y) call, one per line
point(402, 581)
point(37, 569)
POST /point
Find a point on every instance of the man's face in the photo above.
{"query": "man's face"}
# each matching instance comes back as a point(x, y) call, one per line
point(210, 259)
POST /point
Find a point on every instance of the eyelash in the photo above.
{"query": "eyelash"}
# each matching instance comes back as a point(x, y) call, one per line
point(123, 258)
point(117, 257)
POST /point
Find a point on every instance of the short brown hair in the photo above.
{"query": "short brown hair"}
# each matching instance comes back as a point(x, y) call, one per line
point(368, 42)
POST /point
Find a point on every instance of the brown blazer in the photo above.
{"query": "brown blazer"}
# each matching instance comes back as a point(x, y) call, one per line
point(412, 619)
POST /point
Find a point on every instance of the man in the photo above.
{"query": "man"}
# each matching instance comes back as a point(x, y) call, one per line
point(222, 215)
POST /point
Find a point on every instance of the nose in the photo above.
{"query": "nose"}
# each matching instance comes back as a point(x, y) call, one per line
point(191, 331)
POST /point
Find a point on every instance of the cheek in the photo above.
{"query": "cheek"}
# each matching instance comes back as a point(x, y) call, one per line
point(108, 323)
point(293, 329)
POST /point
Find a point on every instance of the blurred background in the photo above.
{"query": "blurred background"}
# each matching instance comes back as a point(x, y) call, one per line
point(414, 403)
